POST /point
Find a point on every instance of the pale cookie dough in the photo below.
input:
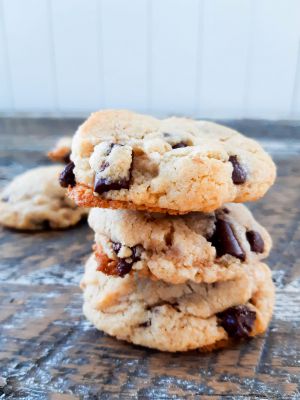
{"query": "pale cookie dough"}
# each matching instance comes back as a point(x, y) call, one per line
point(200, 247)
point(179, 317)
point(34, 200)
point(176, 165)
point(62, 150)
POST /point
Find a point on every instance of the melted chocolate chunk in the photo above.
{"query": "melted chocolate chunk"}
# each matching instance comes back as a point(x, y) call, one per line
point(66, 158)
point(103, 185)
point(256, 241)
point(239, 175)
point(225, 210)
point(237, 321)
point(123, 268)
point(124, 265)
point(179, 145)
point(225, 242)
point(67, 176)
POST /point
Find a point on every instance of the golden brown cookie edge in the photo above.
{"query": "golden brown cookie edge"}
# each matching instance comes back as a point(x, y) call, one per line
point(84, 197)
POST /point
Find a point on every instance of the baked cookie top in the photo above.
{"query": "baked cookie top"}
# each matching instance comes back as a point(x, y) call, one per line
point(34, 200)
point(126, 160)
point(62, 150)
point(179, 317)
point(199, 247)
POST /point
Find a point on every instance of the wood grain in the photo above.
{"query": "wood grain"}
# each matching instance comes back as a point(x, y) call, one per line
point(49, 351)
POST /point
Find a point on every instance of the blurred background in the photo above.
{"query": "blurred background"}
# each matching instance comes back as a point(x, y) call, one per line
point(201, 58)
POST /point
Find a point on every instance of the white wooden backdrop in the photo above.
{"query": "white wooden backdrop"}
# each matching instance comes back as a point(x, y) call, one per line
point(204, 58)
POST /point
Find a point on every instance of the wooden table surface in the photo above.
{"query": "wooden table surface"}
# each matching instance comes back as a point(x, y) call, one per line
point(49, 351)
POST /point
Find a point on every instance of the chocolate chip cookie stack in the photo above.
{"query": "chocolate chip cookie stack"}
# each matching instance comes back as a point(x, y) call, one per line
point(177, 262)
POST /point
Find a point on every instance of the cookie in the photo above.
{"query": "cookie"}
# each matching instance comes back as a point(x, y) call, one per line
point(179, 317)
point(199, 247)
point(34, 200)
point(176, 165)
point(62, 150)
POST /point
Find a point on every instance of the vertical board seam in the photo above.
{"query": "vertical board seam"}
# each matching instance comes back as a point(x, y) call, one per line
point(296, 87)
point(149, 54)
point(199, 53)
point(101, 54)
point(249, 57)
point(7, 63)
point(53, 56)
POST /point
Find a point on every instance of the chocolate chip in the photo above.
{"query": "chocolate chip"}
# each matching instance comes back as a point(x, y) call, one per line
point(5, 199)
point(103, 185)
point(237, 321)
point(256, 241)
point(124, 265)
point(179, 145)
point(145, 324)
point(136, 252)
point(169, 237)
point(66, 158)
point(225, 210)
point(175, 306)
point(120, 266)
point(67, 176)
point(123, 268)
point(45, 224)
point(225, 242)
point(239, 174)
point(116, 247)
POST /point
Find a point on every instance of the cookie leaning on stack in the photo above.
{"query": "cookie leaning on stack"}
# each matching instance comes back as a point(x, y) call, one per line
point(172, 282)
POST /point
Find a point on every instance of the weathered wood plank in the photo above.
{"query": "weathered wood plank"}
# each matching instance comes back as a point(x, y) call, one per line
point(47, 345)
point(49, 351)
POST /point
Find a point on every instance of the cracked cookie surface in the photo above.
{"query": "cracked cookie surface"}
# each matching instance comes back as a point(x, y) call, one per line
point(179, 317)
point(34, 200)
point(199, 247)
point(175, 165)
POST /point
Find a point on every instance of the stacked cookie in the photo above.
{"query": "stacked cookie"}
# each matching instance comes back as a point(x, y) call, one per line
point(177, 265)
